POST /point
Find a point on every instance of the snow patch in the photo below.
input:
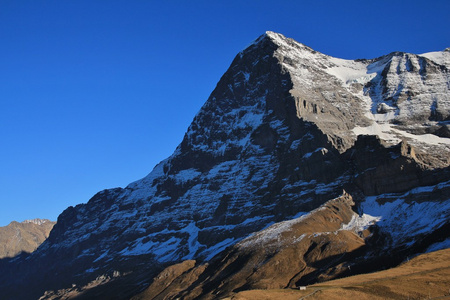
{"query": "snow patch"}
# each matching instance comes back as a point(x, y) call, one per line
point(388, 133)
point(403, 220)
point(439, 57)
point(273, 232)
point(164, 251)
point(193, 243)
point(36, 221)
point(360, 223)
point(350, 71)
point(186, 175)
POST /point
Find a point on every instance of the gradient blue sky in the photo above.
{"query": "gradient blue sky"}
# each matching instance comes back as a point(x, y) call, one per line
point(93, 94)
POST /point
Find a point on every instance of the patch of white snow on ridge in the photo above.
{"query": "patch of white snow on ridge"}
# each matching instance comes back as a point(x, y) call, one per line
point(439, 57)
point(360, 223)
point(273, 232)
point(36, 221)
point(403, 220)
point(390, 134)
point(143, 188)
point(164, 251)
point(187, 175)
point(276, 37)
point(383, 131)
point(193, 243)
point(350, 71)
point(424, 138)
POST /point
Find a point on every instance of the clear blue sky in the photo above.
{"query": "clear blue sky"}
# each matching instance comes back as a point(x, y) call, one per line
point(94, 93)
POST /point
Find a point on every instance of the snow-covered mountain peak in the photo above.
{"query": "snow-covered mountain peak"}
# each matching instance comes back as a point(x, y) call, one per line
point(272, 34)
point(278, 40)
point(269, 35)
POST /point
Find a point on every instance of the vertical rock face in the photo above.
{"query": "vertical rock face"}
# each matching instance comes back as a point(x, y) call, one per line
point(279, 135)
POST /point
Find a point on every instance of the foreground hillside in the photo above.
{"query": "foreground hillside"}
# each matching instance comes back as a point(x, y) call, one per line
point(23, 237)
point(426, 276)
point(329, 242)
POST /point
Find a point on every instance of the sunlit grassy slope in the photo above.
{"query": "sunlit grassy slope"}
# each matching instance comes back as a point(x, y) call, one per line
point(424, 277)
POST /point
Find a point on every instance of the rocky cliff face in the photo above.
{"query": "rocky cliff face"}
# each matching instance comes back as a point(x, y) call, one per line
point(281, 134)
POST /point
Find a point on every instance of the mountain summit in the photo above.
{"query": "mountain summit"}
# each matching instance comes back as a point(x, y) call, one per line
point(285, 130)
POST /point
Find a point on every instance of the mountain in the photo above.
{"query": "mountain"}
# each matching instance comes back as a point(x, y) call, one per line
point(23, 237)
point(288, 135)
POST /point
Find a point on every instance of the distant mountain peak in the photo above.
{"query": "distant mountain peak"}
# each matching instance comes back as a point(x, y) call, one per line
point(23, 237)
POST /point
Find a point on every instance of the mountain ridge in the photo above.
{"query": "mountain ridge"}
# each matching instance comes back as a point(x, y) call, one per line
point(25, 236)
